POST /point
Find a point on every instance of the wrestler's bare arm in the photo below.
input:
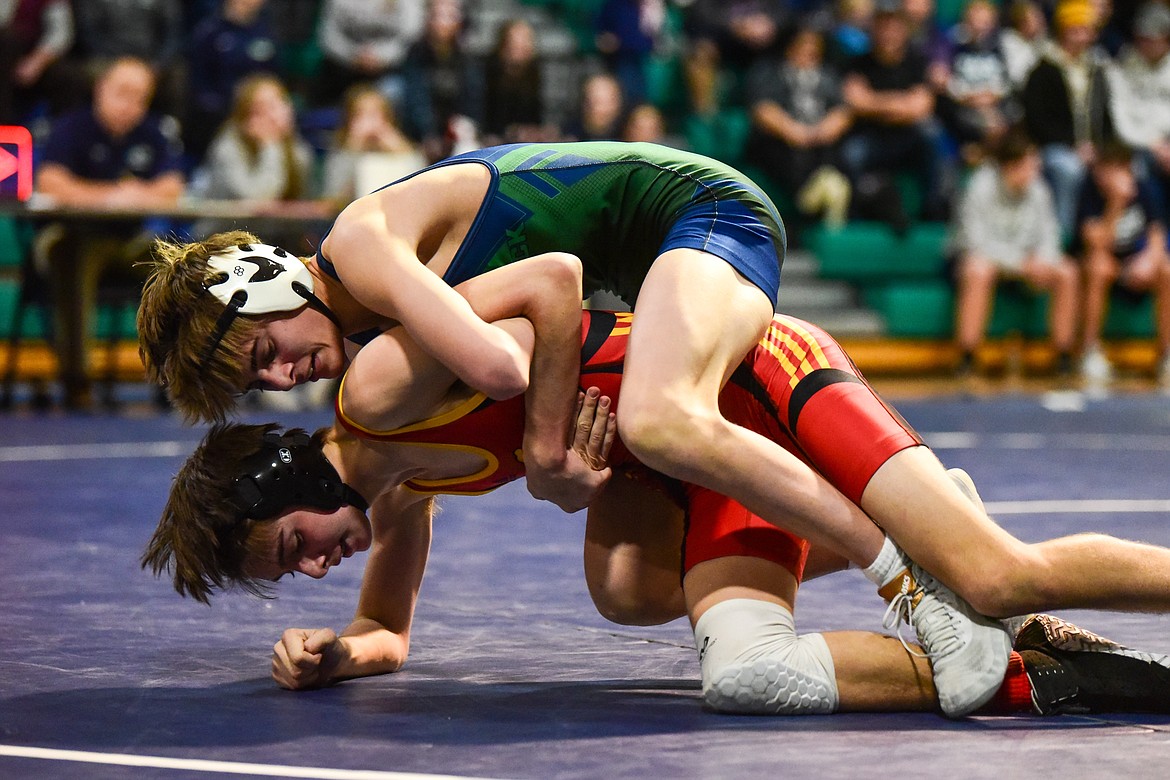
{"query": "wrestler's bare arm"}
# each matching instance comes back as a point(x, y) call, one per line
point(378, 639)
point(383, 272)
point(394, 380)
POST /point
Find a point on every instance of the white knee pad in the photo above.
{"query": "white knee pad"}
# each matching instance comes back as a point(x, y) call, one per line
point(753, 661)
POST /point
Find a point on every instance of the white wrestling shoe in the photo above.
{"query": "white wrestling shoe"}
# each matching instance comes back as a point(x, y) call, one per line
point(968, 652)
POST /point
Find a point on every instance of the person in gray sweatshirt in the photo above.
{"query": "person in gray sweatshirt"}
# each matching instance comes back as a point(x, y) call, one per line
point(1006, 228)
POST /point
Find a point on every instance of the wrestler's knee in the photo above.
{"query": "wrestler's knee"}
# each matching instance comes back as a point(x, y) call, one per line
point(630, 607)
point(753, 662)
point(668, 434)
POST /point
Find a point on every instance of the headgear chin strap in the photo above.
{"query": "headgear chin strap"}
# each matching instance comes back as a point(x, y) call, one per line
point(287, 472)
point(259, 279)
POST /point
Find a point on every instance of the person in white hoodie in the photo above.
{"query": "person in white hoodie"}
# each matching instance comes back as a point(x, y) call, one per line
point(1140, 88)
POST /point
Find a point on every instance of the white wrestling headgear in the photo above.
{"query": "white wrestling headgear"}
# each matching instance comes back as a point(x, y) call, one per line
point(267, 275)
point(261, 279)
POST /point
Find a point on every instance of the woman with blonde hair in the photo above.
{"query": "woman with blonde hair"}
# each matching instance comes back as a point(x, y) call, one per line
point(369, 131)
point(258, 153)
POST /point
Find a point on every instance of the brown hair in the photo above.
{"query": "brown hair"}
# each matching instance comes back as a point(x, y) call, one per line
point(245, 95)
point(201, 539)
point(176, 319)
point(1015, 145)
point(349, 104)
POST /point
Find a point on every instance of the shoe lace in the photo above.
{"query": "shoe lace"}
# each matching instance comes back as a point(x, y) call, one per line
point(931, 607)
point(901, 610)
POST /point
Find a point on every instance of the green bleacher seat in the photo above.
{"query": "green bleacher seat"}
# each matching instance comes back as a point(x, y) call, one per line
point(12, 243)
point(722, 135)
point(913, 309)
point(867, 252)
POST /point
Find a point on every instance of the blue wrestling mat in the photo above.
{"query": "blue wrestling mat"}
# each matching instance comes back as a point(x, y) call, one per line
point(106, 673)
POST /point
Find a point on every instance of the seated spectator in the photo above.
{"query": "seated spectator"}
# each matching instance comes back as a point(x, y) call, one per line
point(1024, 39)
point(226, 47)
point(728, 35)
point(443, 85)
point(1121, 238)
point(1140, 86)
point(601, 112)
point(894, 130)
point(366, 41)
point(152, 31)
point(111, 156)
point(977, 105)
point(1066, 105)
point(34, 35)
point(627, 34)
point(930, 40)
point(798, 120)
point(257, 154)
point(514, 89)
point(369, 144)
point(848, 35)
point(1006, 230)
point(646, 124)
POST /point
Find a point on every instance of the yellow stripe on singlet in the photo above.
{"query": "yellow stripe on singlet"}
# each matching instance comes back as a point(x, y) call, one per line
point(801, 346)
point(622, 324)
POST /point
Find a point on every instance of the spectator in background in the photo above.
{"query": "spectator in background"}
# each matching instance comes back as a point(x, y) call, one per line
point(113, 155)
point(930, 40)
point(1121, 238)
point(34, 35)
point(1024, 39)
point(646, 124)
point(226, 47)
point(366, 41)
point(849, 32)
point(258, 155)
point(1066, 105)
point(798, 120)
point(151, 30)
point(627, 34)
point(514, 88)
point(728, 34)
point(977, 106)
point(1006, 230)
point(602, 110)
point(443, 84)
point(1140, 85)
point(894, 130)
point(369, 131)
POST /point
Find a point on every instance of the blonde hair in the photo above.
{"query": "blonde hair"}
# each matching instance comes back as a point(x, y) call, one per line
point(245, 96)
point(176, 320)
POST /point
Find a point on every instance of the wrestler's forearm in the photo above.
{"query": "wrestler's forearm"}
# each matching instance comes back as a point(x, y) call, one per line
point(370, 649)
point(555, 315)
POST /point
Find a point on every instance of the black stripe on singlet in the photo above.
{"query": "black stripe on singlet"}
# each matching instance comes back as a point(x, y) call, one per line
point(744, 379)
point(808, 387)
point(601, 324)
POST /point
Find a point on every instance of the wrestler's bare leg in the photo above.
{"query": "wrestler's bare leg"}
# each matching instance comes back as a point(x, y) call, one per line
point(697, 318)
point(926, 513)
point(633, 554)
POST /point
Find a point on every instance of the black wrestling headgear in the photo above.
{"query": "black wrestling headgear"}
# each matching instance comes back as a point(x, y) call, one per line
point(289, 471)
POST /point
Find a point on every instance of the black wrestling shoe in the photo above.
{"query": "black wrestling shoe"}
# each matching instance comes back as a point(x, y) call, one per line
point(1076, 671)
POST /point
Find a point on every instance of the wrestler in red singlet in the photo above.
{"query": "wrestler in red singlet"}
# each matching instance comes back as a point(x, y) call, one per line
point(797, 388)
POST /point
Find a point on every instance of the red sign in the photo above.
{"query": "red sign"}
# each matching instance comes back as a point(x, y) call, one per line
point(16, 154)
